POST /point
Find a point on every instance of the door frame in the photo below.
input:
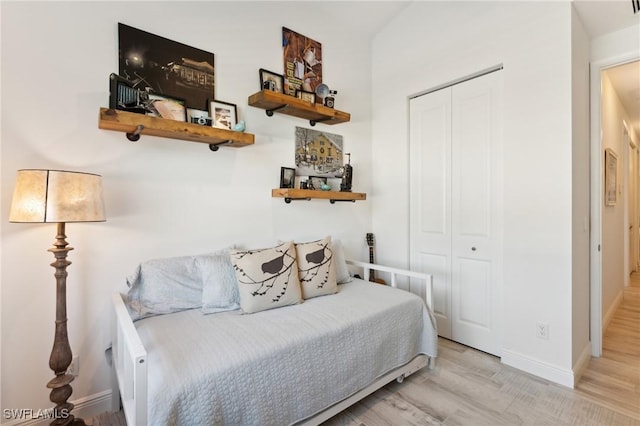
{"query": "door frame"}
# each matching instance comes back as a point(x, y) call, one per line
point(595, 237)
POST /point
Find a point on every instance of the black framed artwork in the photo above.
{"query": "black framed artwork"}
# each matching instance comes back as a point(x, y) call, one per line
point(165, 67)
point(287, 177)
point(270, 80)
point(223, 114)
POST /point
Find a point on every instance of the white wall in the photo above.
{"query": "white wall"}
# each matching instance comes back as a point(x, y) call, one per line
point(580, 189)
point(431, 43)
point(163, 197)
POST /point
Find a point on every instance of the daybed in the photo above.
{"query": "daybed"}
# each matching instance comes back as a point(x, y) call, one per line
point(298, 364)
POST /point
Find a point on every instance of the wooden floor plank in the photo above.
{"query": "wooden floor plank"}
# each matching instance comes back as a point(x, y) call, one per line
point(470, 387)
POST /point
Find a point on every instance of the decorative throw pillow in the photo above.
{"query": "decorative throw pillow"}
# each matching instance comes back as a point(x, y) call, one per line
point(267, 278)
point(339, 263)
point(219, 284)
point(316, 268)
point(163, 286)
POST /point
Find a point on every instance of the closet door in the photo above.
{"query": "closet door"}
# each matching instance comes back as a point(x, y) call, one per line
point(430, 197)
point(456, 207)
point(476, 213)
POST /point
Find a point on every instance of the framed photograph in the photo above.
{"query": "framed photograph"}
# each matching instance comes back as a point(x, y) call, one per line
point(158, 65)
point(167, 107)
point(270, 80)
point(315, 182)
point(610, 177)
point(287, 177)
point(306, 96)
point(318, 153)
point(223, 114)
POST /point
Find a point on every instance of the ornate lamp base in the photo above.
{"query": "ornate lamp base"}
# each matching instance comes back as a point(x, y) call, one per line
point(61, 356)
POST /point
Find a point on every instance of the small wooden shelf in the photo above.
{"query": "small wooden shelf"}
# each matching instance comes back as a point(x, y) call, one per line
point(135, 125)
point(272, 102)
point(290, 194)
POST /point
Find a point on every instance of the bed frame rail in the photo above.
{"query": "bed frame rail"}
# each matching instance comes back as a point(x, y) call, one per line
point(129, 366)
point(394, 272)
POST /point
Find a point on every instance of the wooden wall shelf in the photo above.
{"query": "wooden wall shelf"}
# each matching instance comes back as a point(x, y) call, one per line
point(135, 125)
point(272, 102)
point(291, 194)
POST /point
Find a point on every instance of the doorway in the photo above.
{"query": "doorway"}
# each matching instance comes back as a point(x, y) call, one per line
point(614, 237)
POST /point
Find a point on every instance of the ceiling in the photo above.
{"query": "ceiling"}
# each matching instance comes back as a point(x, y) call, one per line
point(602, 17)
point(626, 82)
point(599, 17)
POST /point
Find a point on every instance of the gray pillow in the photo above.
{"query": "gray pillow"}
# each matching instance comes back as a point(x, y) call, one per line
point(219, 284)
point(340, 263)
point(163, 286)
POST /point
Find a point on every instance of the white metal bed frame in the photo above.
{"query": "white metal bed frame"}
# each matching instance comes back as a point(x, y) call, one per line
point(130, 358)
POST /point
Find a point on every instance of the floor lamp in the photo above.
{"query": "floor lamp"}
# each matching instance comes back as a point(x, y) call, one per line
point(56, 196)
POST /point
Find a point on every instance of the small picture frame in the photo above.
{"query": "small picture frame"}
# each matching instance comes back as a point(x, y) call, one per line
point(316, 182)
point(167, 107)
point(270, 80)
point(306, 96)
point(287, 177)
point(610, 177)
point(223, 114)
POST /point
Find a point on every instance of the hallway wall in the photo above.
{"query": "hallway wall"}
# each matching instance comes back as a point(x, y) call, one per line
point(613, 229)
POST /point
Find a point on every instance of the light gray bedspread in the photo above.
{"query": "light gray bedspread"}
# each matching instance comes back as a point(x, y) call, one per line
point(280, 366)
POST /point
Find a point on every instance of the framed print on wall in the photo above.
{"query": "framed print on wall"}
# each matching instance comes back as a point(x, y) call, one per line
point(223, 114)
point(610, 177)
point(158, 65)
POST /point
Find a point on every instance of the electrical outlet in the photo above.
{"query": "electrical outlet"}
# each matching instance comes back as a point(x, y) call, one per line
point(542, 331)
point(74, 367)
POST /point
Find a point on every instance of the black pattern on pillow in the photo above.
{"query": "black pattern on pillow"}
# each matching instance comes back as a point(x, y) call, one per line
point(267, 278)
point(316, 268)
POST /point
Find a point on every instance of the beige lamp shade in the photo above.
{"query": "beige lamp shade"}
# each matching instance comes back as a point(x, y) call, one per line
point(57, 196)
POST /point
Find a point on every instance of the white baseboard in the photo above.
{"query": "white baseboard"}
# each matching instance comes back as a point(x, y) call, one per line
point(612, 310)
point(538, 368)
point(85, 408)
point(582, 363)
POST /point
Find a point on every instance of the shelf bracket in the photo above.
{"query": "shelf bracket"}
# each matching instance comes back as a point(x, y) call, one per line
point(288, 200)
point(216, 146)
point(319, 120)
point(332, 201)
point(270, 112)
point(135, 135)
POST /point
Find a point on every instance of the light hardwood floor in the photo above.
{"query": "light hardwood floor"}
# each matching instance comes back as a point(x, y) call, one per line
point(469, 387)
point(472, 388)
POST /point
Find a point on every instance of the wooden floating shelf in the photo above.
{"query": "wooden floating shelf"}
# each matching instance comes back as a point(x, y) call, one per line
point(272, 102)
point(290, 194)
point(135, 125)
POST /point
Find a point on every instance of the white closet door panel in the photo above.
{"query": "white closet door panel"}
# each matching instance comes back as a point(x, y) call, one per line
point(430, 196)
point(472, 162)
point(439, 267)
point(476, 213)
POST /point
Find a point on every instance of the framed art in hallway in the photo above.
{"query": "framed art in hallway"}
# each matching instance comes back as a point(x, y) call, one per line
point(610, 177)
